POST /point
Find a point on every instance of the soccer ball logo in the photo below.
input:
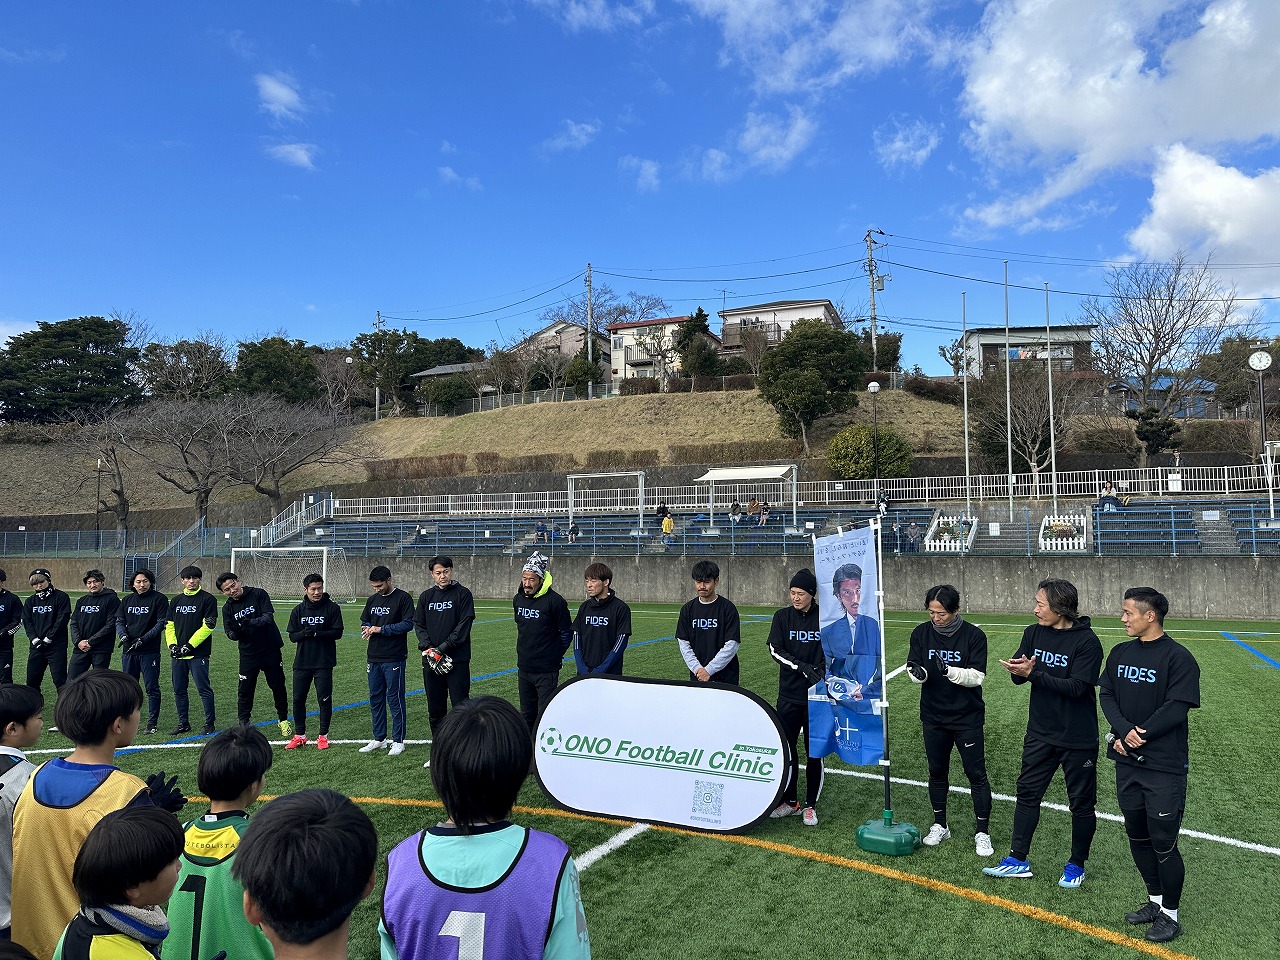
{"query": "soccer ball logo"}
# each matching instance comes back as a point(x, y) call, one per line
point(551, 740)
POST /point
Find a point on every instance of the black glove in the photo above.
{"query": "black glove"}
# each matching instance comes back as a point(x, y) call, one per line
point(811, 673)
point(186, 650)
point(166, 796)
point(918, 673)
point(942, 664)
point(259, 621)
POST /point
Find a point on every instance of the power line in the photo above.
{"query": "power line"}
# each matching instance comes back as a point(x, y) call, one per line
point(486, 313)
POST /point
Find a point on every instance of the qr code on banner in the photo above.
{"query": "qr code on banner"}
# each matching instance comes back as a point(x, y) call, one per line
point(708, 796)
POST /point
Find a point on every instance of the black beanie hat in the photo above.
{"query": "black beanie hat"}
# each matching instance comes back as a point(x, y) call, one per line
point(806, 581)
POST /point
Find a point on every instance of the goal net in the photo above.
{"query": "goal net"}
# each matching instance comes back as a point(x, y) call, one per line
point(279, 570)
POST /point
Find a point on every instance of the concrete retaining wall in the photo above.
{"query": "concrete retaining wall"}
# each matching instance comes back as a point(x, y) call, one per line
point(1198, 587)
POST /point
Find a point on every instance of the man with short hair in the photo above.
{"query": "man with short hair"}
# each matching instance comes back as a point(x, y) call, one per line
point(442, 621)
point(46, 616)
point(709, 629)
point(385, 625)
point(10, 622)
point(601, 626)
point(249, 619)
point(189, 636)
point(93, 626)
point(543, 633)
point(1150, 684)
point(315, 626)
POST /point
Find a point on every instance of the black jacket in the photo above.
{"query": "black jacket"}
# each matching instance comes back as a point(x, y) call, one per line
point(795, 641)
point(315, 628)
point(94, 619)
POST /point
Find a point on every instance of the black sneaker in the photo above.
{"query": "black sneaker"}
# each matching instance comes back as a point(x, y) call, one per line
point(151, 730)
point(208, 729)
point(180, 728)
point(1147, 913)
point(1164, 929)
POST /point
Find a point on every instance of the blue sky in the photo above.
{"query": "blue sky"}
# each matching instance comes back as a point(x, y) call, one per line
point(252, 168)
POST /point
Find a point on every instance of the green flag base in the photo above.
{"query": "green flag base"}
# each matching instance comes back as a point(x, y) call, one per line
point(888, 838)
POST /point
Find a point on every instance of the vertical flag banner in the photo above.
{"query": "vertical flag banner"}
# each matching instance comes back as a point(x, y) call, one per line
point(844, 715)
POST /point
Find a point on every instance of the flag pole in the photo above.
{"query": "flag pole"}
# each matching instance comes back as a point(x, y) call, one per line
point(883, 835)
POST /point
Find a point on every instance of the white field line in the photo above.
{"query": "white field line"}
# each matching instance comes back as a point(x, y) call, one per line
point(197, 744)
point(616, 842)
point(1113, 817)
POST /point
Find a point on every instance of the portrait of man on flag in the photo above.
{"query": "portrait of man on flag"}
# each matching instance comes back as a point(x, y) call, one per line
point(843, 712)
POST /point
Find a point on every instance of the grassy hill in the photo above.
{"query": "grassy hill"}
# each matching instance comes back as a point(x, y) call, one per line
point(53, 478)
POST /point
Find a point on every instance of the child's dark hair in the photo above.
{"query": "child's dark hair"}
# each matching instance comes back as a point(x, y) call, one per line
point(945, 594)
point(124, 849)
point(706, 570)
point(479, 759)
point(306, 861)
point(92, 702)
point(1149, 598)
point(233, 761)
point(18, 703)
point(14, 951)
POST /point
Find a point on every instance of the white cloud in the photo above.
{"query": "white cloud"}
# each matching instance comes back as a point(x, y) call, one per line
point(715, 166)
point(905, 143)
point(1080, 88)
point(295, 154)
point(601, 15)
point(33, 55)
point(236, 42)
point(278, 96)
point(450, 176)
point(809, 45)
point(574, 136)
point(1203, 207)
point(447, 147)
point(645, 171)
point(11, 328)
point(773, 142)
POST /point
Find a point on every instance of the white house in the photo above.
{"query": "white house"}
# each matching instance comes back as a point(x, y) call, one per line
point(775, 319)
point(1069, 345)
point(644, 348)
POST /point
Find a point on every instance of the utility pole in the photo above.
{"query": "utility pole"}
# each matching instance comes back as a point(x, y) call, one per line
point(377, 373)
point(875, 282)
point(591, 342)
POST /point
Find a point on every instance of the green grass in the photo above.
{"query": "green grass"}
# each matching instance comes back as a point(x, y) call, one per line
point(668, 891)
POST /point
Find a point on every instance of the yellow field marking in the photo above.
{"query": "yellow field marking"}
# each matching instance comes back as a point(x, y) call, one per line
point(941, 886)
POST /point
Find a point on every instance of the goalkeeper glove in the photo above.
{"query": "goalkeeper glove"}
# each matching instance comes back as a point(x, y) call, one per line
point(918, 673)
point(439, 663)
point(811, 673)
point(164, 795)
point(186, 650)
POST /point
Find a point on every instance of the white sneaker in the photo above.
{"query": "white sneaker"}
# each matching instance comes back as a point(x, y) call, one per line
point(397, 748)
point(373, 745)
point(810, 817)
point(937, 833)
point(427, 765)
point(982, 844)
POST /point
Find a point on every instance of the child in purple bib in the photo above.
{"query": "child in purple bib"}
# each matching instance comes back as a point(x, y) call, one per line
point(478, 884)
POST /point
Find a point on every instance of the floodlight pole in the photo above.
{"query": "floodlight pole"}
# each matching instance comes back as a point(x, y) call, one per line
point(1008, 388)
point(1053, 430)
point(968, 474)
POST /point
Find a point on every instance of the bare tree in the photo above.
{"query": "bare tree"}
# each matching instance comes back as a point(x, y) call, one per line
point(660, 346)
point(755, 344)
point(1157, 321)
point(554, 364)
point(184, 442)
point(1029, 414)
point(336, 370)
point(523, 361)
point(186, 369)
point(98, 435)
point(267, 439)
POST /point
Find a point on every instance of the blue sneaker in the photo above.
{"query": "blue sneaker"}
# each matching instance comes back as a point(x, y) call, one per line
point(1009, 867)
point(1072, 876)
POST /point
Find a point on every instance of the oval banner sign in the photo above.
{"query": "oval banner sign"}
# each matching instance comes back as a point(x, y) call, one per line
point(703, 756)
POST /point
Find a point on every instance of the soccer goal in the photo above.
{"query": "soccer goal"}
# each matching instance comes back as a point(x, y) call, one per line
point(279, 570)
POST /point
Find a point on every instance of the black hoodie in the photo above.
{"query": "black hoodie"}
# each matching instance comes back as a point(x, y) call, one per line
point(315, 628)
point(94, 619)
point(1063, 709)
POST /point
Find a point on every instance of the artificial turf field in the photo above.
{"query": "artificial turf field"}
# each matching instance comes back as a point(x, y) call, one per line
point(786, 890)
